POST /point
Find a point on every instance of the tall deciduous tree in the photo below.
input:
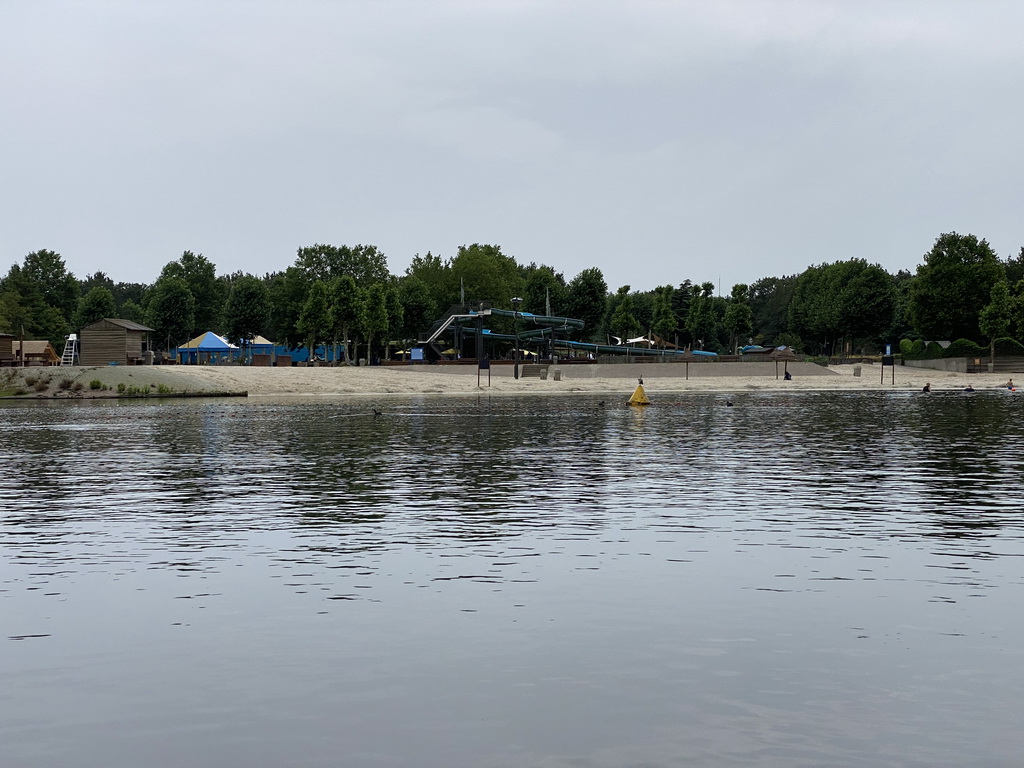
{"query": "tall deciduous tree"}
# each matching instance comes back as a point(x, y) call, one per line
point(375, 318)
point(365, 264)
point(58, 287)
point(623, 322)
point(701, 321)
point(665, 323)
point(544, 287)
point(587, 299)
point(314, 324)
point(287, 294)
point(200, 275)
point(172, 311)
point(419, 310)
point(996, 316)
point(346, 310)
point(247, 309)
point(97, 304)
point(952, 286)
point(738, 316)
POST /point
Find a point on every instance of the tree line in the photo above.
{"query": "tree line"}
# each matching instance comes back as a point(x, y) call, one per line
point(346, 296)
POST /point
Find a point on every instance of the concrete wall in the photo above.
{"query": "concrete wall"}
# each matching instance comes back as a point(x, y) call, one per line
point(952, 364)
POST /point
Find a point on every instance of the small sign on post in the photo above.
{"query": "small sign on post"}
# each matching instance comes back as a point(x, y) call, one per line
point(891, 362)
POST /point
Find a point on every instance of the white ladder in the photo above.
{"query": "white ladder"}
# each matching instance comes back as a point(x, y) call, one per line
point(70, 350)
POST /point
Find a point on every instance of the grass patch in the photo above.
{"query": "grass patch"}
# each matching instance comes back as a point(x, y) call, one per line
point(96, 384)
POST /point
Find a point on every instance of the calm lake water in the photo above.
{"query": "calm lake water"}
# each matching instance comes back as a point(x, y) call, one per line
point(805, 579)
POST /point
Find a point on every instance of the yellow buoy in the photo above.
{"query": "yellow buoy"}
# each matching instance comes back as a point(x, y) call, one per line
point(639, 396)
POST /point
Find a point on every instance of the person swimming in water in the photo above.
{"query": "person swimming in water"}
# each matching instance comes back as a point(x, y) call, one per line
point(968, 388)
point(927, 387)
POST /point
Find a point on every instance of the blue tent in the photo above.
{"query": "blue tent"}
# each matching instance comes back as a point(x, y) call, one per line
point(206, 348)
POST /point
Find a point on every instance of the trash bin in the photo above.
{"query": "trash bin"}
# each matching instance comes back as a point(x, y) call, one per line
point(856, 370)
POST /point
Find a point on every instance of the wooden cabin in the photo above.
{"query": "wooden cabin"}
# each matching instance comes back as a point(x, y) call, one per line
point(7, 349)
point(112, 342)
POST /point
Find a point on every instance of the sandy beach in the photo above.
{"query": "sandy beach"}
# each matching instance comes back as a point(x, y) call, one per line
point(455, 380)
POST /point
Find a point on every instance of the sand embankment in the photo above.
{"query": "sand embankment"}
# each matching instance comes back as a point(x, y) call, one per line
point(429, 379)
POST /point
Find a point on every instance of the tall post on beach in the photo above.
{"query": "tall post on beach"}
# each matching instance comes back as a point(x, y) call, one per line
point(516, 301)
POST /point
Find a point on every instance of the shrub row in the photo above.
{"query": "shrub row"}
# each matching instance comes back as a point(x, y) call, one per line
point(918, 350)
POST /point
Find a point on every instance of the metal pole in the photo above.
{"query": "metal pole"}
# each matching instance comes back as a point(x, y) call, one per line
point(515, 330)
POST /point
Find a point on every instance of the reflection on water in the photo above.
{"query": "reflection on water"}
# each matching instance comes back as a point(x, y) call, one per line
point(801, 579)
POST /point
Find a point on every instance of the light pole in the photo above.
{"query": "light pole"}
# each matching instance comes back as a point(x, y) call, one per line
point(516, 301)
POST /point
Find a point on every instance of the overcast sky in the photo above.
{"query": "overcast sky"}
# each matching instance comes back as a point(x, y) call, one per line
point(659, 141)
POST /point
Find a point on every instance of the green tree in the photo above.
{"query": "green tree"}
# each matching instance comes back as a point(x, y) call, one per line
point(396, 314)
point(1017, 310)
point(738, 319)
point(700, 320)
point(622, 321)
point(436, 278)
point(345, 311)
point(172, 312)
point(365, 264)
point(952, 286)
point(97, 304)
point(484, 273)
point(1015, 268)
point(58, 287)
point(586, 299)
point(27, 309)
point(375, 318)
point(200, 275)
point(287, 294)
point(769, 307)
point(247, 309)
point(544, 287)
point(996, 316)
point(132, 311)
point(314, 323)
point(665, 323)
point(419, 310)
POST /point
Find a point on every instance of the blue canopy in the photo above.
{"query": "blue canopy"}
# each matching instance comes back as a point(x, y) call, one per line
point(208, 342)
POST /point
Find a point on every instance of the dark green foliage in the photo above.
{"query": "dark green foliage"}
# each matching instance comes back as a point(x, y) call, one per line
point(952, 287)
point(418, 309)
point(314, 321)
point(365, 264)
point(1007, 347)
point(769, 307)
point(375, 318)
point(851, 299)
point(587, 294)
point(965, 348)
point(200, 276)
point(701, 320)
point(132, 311)
point(906, 345)
point(934, 351)
point(622, 322)
point(738, 320)
point(171, 312)
point(97, 304)
point(286, 292)
point(917, 350)
point(247, 309)
point(544, 286)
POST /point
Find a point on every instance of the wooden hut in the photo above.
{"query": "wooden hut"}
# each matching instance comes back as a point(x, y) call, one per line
point(6, 349)
point(112, 342)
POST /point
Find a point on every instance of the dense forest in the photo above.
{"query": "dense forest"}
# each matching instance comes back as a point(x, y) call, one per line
point(962, 291)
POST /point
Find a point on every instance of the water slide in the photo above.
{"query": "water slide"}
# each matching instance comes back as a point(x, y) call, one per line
point(544, 328)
